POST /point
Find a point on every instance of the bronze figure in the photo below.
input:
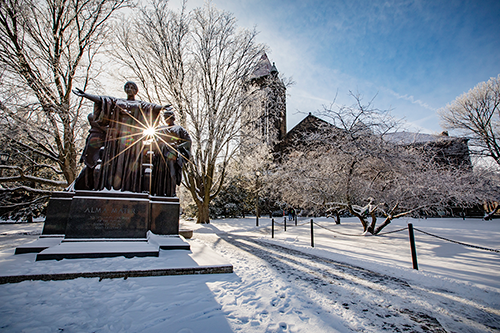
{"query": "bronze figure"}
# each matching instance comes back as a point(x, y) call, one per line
point(172, 151)
point(91, 156)
point(125, 121)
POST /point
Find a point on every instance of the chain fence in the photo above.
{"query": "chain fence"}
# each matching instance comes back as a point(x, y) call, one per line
point(338, 232)
point(410, 229)
point(457, 242)
point(387, 233)
point(391, 232)
point(360, 235)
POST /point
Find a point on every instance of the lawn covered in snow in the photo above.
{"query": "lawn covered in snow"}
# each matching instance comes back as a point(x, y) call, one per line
point(343, 284)
point(385, 252)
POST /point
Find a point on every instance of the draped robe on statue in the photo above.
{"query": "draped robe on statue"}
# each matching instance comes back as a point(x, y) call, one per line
point(91, 155)
point(122, 159)
point(174, 144)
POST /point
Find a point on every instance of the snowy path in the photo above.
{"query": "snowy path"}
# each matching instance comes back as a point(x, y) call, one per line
point(344, 284)
point(365, 301)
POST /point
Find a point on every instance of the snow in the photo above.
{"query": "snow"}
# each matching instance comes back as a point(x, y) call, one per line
point(411, 137)
point(343, 284)
point(100, 247)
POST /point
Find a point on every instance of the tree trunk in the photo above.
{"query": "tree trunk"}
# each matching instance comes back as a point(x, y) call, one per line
point(337, 217)
point(203, 212)
point(68, 167)
point(360, 217)
point(386, 222)
point(489, 216)
point(371, 228)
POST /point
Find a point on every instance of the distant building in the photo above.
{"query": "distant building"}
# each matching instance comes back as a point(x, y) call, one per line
point(293, 139)
point(442, 148)
point(446, 151)
point(265, 113)
point(264, 121)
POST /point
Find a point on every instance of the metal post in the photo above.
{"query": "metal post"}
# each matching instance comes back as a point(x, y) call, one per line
point(284, 222)
point(312, 234)
point(412, 246)
point(151, 154)
point(257, 174)
point(272, 228)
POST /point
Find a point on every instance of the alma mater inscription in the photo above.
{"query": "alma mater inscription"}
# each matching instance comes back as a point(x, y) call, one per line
point(104, 218)
point(94, 216)
point(98, 210)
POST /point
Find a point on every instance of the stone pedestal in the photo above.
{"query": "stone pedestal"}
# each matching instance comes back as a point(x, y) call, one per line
point(57, 213)
point(110, 214)
point(164, 215)
point(98, 224)
point(107, 214)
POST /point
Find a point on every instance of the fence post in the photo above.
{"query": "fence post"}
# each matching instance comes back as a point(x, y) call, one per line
point(272, 228)
point(312, 234)
point(284, 222)
point(412, 246)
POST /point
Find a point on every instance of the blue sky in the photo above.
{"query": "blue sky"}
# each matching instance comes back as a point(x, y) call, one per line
point(414, 56)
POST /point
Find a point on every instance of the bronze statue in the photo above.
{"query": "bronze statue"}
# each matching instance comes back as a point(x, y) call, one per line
point(125, 121)
point(172, 151)
point(91, 156)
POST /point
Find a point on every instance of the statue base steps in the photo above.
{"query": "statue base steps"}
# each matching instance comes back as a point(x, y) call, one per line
point(43, 242)
point(101, 224)
point(94, 248)
point(58, 247)
point(200, 259)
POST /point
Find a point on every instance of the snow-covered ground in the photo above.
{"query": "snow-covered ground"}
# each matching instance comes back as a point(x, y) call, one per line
point(343, 284)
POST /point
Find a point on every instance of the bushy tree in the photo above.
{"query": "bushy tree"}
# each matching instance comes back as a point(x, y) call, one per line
point(476, 114)
point(233, 200)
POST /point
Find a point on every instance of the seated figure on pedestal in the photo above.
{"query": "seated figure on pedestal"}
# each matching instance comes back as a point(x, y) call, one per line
point(172, 151)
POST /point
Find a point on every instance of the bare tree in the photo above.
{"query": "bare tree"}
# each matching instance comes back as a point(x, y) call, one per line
point(476, 114)
point(45, 46)
point(199, 68)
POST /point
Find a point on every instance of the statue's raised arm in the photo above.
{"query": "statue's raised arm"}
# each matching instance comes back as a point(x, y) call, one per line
point(81, 93)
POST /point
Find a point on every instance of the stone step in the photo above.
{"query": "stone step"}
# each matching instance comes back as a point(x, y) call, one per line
point(201, 259)
point(98, 249)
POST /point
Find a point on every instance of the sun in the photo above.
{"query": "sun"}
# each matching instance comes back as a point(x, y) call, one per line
point(149, 132)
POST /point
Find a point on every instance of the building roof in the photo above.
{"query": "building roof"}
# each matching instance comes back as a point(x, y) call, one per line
point(263, 68)
point(444, 149)
point(309, 124)
point(408, 138)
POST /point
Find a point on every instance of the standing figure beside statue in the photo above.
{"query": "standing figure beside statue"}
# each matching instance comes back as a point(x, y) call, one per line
point(91, 156)
point(172, 151)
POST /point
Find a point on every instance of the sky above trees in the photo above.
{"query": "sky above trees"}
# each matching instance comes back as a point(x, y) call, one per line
point(414, 56)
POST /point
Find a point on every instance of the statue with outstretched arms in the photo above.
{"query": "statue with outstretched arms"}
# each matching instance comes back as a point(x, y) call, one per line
point(125, 121)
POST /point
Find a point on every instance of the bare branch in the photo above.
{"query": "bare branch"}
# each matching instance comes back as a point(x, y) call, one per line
point(23, 189)
point(38, 180)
